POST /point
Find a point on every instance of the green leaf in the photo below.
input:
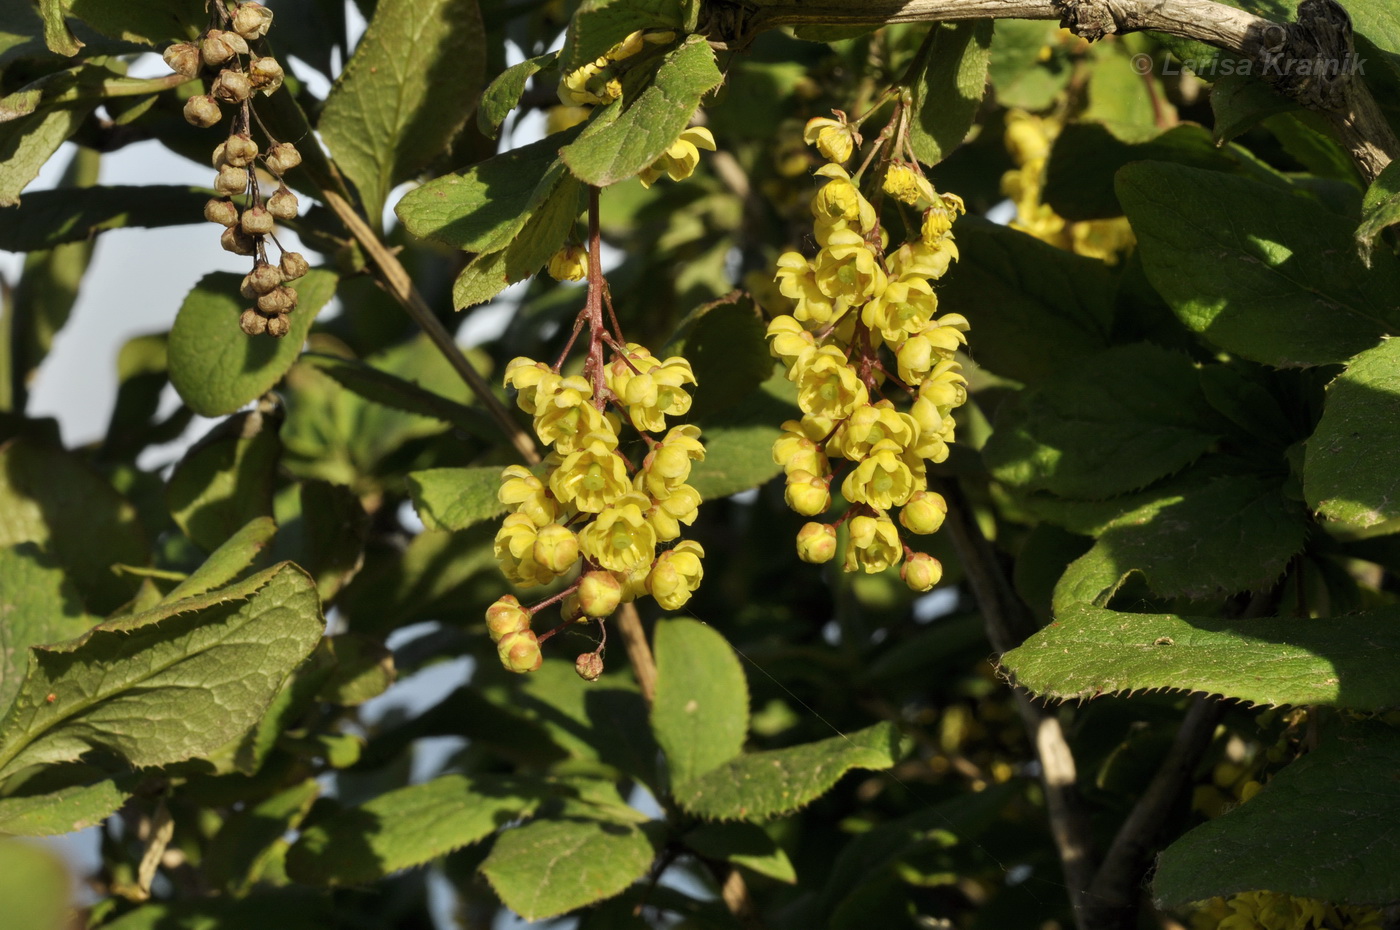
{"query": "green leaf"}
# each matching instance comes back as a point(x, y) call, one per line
point(455, 498)
point(407, 827)
point(726, 345)
point(251, 837)
point(1255, 269)
point(739, 442)
point(324, 528)
point(39, 605)
point(1034, 308)
point(49, 218)
point(744, 844)
point(598, 25)
point(1203, 536)
point(387, 116)
point(483, 278)
point(55, 799)
point(1121, 420)
point(363, 669)
point(550, 867)
point(1019, 75)
point(1120, 99)
point(1240, 102)
point(382, 387)
point(1328, 660)
point(950, 88)
point(225, 480)
point(228, 560)
point(700, 713)
point(124, 687)
point(218, 368)
point(1343, 477)
point(53, 499)
point(1324, 827)
point(651, 123)
point(34, 885)
point(57, 35)
point(778, 781)
point(283, 908)
point(28, 142)
point(149, 23)
point(483, 208)
point(1380, 209)
point(503, 94)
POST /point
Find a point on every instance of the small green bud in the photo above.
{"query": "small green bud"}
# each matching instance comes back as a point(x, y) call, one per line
point(924, 512)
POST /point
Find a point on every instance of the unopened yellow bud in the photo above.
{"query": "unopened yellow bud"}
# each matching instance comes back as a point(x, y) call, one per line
point(806, 493)
point(924, 512)
point(676, 574)
point(506, 616)
point(599, 593)
point(921, 571)
point(569, 264)
point(816, 543)
point(519, 652)
point(556, 548)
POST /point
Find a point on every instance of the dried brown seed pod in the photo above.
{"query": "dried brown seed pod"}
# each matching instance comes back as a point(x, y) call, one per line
point(257, 221)
point(266, 74)
point(589, 666)
point(252, 21)
point(252, 322)
point(184, 59)
point(240, 151)
point(231, 180)
point(238, 242)
point(294, 265)
point(203, 111)
point(278, 300)
point(219, 46)
point(232, 86)
point(278, 326)
point(223, 212)
point(262, 279)
point(282, 157)
point(282, 204)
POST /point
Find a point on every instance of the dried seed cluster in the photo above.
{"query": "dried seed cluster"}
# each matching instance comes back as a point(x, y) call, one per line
point(236, 73)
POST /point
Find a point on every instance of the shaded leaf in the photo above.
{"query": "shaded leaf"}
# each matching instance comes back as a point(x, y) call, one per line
point(324, 532)
point(250, 837)
point(743, 844)
point(739, 442)
point(283, 908)
point(124, 687)
point(700, 713)
point(1324, 827)
point(388, 389)
point(1380, 210)
point(455, 498)
point(363, 669)
point(39, 605)
point(726, 345)
point(49, 218)
point(503, 94)
point(1255, 269)
point(948, 93)
point(55, 799)
point(28, 142)
point(226, 479)
point(227, 561)
point(218, 368)
point(387, 115)
point(1240, 102)
point(1019, 75)
point(408, 827)
point(778, 781)
point(598, 25)
point(1328, 660)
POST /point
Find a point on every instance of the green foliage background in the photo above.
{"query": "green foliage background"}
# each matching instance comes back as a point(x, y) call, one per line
point(1183, 462)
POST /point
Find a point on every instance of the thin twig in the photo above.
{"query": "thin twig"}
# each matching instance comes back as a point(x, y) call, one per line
point(634, 640)
point(397, 282)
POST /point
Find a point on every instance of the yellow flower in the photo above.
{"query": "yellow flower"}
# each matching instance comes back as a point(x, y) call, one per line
point(834, 138)
point(599, 593)
point(827, 386)
point(564, 417)
point(839, 200)
point(1027, 137)
point(620, 539)
point(847, 270)
point(903, 308)
point(667, 466)
point(796, 280)
point(798, 450)
point(680, 158)
point(556, 548)
point(922, 260)
point(569, 264)
point(873, 545)
point(883, 480)
point(676, 574)
point(922, 351)
point(515, 552)
point(806, 493)
point(654, 390)
point(907, 185)
point(589, 85)
point(666, 515)
point(870, 424)
point(592, 478)
point(789, 341)
point(526, 493)
point(938, 219)
point(530, 378)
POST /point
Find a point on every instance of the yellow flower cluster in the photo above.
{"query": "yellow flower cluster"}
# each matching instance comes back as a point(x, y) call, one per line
point(595, 82)
point(1028, 139)
point(591, 505)
point(1267, 910)
point(851, 302)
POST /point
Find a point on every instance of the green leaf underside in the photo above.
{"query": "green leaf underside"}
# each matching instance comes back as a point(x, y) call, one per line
point(1253, 267)
point(950, 90)
point(1381, 208)
point(744, 844)
point(1131, 416)
point(1203, 535)
point(28, 142)
point(388, 115)
point(700, 713)
point(549, 867)
point(166, 685)
point(455, 498)
point(503, 94)
point(38, 605)
point(1327, 826)
point(408, 827)
point(226, 562)
point(45, 219)
point(1344, 479)
point(651, 124)
point(226, 479)
point(1330, 660)
point(218, 368)
point(62, 799)
point(598, 25)
point(774, 782)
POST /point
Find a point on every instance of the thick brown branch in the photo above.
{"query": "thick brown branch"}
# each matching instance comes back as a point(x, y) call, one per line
point(1310, 61)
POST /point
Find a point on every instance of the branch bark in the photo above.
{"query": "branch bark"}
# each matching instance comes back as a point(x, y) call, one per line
point(1305, 60)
